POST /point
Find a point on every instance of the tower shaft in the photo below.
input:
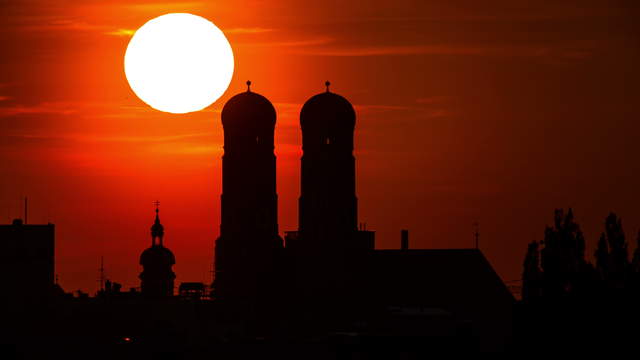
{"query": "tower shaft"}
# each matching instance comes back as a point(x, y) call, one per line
point(247, 250)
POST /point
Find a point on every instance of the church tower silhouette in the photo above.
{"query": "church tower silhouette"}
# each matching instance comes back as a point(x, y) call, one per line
point(246, 251)
point(157, 276)
point(328, 250)
point(328, 207)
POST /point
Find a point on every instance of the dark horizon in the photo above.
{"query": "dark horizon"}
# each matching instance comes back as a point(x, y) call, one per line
point(490, 113)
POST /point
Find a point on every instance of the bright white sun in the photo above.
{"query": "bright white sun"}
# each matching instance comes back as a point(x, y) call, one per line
point(179, 63)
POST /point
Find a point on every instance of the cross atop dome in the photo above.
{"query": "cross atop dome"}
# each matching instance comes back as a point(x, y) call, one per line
point(248, 85)
point(157, 230)
point(327, 84)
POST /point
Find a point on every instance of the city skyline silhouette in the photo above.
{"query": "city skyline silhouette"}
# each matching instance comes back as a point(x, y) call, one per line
point(469, 128)
point(374, 173)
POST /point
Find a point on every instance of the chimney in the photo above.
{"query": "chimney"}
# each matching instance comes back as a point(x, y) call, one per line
point(404, 239)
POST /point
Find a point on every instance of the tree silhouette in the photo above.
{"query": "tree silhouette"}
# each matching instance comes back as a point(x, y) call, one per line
point(562, 259)
point(602, 257)
point(618, 263)
point(635, 262)
point(560, 268)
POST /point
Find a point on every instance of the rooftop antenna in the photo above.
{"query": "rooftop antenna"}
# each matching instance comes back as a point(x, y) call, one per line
point(327, 84)
point(101, 280)
point(476, 234)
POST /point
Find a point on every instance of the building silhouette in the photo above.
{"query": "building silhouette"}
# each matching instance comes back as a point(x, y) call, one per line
point(27, 260)
point(157, 276)
point(328, 248)
point(329, 273)
point(325, 284)
point(328, 208)
point(249, 244)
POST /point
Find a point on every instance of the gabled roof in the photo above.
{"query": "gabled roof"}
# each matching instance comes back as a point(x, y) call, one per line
point(460, 281)
point(447, 278)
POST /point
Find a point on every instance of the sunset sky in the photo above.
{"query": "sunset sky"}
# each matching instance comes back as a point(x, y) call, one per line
point(490, 111)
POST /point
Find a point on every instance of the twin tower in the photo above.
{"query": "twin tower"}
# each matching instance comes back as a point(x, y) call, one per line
point(250, 256)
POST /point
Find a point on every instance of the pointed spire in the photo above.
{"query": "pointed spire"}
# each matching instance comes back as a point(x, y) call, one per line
point(327, 84)
point(157, 230)
point(248, 85)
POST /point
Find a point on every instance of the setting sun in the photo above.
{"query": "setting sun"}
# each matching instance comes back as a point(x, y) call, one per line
point(179, 63)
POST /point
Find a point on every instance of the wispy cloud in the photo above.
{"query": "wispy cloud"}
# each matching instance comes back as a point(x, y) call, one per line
point(293, 43)
point(251, 30)
point(57, 24)
point(5, 98)
point(167, 6)
point(192, 149)
point(42, 108)
point(427, 112)
point(383, 107)
point(566, 51)
point(432, 100)
point(391, 50)
point(121, 32)
point(94, 138)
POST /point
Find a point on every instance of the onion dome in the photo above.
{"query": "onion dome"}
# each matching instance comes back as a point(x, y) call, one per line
point(327, 112)
point(248, 112)
point(157, 256)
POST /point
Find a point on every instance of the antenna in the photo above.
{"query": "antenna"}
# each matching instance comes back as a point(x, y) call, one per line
point(101, 280)
point(476, 234)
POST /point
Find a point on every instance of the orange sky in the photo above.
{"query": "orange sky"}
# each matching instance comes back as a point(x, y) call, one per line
point(488, 111)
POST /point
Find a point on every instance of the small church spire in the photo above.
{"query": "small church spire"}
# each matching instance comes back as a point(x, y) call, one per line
point(157, 230)
point(327, 84)
point(248, 85)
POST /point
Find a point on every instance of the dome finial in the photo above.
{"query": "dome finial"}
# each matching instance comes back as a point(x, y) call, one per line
point(248, 85)
point(327, 84)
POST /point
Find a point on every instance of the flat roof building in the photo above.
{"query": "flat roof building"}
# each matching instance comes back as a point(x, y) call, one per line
point(27, 260)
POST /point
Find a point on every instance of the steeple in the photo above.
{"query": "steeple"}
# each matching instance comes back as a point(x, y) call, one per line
point(157, 230)
point(157, 276)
